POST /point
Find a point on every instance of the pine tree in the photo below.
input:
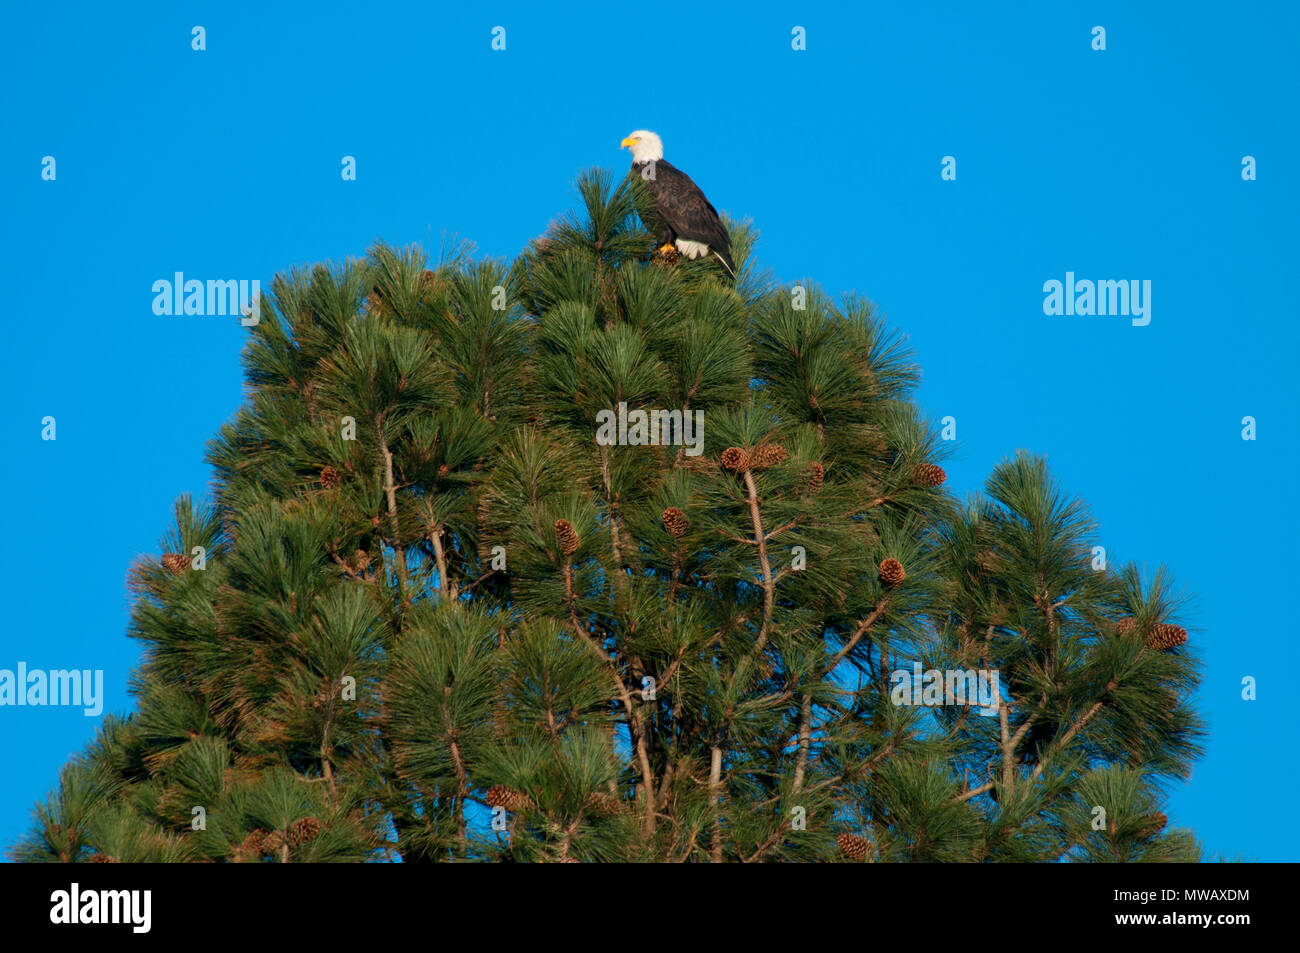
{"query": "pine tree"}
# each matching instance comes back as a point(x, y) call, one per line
point(438, 619)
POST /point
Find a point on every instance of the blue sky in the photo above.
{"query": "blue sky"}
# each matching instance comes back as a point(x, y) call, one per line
point(1117, 164)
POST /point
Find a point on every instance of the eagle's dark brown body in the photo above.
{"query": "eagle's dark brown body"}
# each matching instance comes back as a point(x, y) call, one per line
point(683, 209)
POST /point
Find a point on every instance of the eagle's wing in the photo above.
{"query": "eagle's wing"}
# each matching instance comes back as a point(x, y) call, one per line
point(684, 208)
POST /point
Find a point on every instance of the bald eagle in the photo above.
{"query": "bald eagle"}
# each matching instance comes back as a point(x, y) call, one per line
point(690, 222)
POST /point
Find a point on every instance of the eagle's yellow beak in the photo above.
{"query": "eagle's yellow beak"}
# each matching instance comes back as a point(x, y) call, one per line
point(628, 143)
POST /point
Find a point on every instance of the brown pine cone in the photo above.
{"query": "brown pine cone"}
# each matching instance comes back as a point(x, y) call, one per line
point(175, 563)
point(103, 859)
point(568, 537)
point(1157, 822)
point(891, 571)
point(675, 522)
point(768, 455)
point(304, 830)
point(854, 846)
point(329, 478)
point(816, 474)
point(361, 561)
point(604, 803)
point(927, 474)
point(251, 847)
point(735, 460)
point(1166, 636)
point(1125, 625)
point(272, 842)
point(513, 801)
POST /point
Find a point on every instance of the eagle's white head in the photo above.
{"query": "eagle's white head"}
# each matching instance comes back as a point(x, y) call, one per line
point(645, 146)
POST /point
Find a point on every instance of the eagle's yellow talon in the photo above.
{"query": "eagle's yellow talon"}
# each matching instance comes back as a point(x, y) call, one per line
point(667, 249)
